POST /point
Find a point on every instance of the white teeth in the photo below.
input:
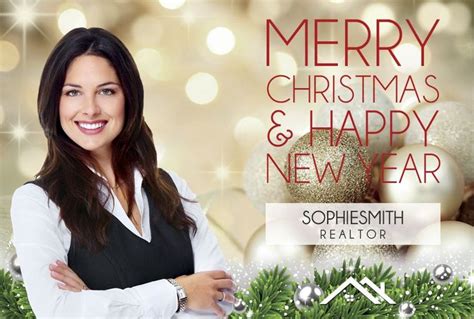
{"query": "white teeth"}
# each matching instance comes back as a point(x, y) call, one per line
point(91, 126)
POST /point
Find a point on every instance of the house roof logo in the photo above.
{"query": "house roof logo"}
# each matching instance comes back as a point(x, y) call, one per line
point(360, 286)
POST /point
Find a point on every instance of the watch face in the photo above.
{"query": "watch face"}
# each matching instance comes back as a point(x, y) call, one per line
point(181, 293)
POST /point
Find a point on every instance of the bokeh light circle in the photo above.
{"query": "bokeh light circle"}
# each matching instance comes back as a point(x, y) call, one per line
point(202, 88)
point(149, 62)
point(428, 12)
point(220, 40)
point(462, 15)
point(248, 131)
point(409, 56)
point(285, 64)
point(377, 11)
point(9, 56)
point(70, 19)
point(172, 4)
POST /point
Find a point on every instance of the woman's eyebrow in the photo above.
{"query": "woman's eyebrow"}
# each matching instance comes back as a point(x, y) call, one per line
point(107, 83)
point(73, 85)
point(103, 84)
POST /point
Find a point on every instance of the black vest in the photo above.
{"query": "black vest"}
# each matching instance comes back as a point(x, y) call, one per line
point(128, 260)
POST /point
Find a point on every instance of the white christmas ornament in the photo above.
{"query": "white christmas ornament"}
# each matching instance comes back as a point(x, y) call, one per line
point(451, 130)
point(456, 245)
point(445, 185)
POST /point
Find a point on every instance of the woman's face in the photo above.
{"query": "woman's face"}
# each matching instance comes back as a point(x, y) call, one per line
point(92, 104)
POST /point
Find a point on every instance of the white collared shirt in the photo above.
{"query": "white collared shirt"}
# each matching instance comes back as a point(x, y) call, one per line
point(41, 237)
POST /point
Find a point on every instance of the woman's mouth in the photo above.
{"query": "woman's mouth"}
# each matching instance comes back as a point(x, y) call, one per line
point(91, 128)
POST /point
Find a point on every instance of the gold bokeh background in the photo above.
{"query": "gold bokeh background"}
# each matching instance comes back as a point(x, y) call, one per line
point(207, 144)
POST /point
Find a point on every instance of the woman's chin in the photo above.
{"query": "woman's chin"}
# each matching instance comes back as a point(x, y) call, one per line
point(96, 148)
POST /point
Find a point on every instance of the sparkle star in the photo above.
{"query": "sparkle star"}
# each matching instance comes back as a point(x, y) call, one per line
point(24, 14)
point(18, 132)
point(222, 172)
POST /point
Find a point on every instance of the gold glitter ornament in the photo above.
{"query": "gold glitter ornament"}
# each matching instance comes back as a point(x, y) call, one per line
point(362, 99)
point(254, 177)
point(352, 185)
point(448, 191)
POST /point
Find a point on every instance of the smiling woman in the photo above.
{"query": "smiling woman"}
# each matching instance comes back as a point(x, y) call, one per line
point(92, 105)
point(101, 231)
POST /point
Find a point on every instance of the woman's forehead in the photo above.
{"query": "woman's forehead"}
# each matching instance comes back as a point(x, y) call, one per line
point(91, 69)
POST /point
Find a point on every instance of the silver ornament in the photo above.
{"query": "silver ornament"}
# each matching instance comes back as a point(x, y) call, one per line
point(406, 309)
point(239, 306)
point(13, 267)
point(11, 262)
point(306, 295)
point(442, 273)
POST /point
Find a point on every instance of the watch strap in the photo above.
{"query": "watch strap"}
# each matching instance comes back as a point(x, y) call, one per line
point(181, 295)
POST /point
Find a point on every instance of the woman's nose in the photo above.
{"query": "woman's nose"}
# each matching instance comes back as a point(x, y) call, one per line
point(91, 106)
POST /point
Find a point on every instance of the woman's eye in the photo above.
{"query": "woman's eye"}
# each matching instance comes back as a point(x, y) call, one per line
point(72, 93)
point(107, 92)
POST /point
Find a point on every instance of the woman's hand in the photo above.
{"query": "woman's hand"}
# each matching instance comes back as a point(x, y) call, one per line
point(68, 278)
point(205, 289)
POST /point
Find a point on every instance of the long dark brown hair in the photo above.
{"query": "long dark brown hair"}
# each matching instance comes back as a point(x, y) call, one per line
point(65, 174)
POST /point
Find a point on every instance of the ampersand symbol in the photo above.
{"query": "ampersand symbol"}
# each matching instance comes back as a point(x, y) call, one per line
point(280, 137)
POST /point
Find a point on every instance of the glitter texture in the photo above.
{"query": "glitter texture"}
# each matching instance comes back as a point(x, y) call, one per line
point(254, 178)
point(451, 130)
point(352, 185)
point(359, 104)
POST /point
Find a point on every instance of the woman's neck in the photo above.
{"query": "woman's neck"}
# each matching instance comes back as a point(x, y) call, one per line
point(104, 160)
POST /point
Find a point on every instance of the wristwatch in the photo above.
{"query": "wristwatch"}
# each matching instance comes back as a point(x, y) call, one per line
point(182, 298)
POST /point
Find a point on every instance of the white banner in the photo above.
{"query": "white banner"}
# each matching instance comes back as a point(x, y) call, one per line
point(351, 224)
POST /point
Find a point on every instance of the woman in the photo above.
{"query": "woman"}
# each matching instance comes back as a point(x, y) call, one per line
point(101, 231)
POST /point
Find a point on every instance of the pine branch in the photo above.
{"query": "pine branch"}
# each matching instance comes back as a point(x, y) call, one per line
point(431, 300)
point(22, 300)
point(270, 295)
point(13, 300)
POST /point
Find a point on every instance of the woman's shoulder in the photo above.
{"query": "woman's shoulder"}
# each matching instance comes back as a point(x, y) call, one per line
point(178, 181)
point(30, 192)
